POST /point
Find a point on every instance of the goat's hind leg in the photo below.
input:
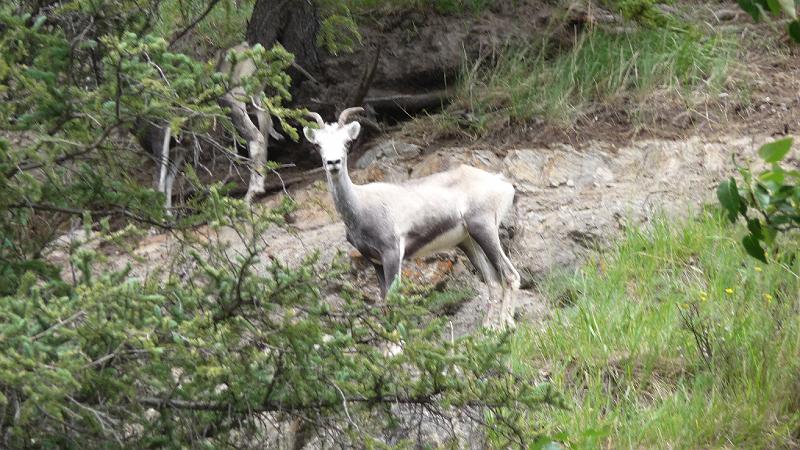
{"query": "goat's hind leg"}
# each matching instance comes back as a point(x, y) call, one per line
point(480, 261)
point(256, 142)
point(485, 232)
point(180, 155)
point(265, 124)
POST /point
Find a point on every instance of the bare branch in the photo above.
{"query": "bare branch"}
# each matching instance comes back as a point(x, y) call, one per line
point(194, 23)
point(66, 157)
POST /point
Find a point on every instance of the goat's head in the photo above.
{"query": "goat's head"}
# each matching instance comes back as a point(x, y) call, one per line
point(332, 139)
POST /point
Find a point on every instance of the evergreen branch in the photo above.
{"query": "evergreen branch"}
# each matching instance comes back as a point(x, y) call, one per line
point(201, 405)
point(97, 212)
point(65, 157)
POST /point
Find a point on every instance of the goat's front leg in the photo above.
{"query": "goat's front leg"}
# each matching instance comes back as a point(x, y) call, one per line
point(171, 174)
point(164, 160)
point(392, 262)
point(381, 279)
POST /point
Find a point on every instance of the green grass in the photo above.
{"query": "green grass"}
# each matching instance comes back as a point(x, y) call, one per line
point(637, 70)
point(621, 349)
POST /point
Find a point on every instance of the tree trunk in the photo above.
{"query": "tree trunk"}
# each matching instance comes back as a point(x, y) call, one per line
point(292, 23)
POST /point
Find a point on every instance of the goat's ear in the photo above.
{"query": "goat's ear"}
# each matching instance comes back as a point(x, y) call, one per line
point(310, 134)
point(353, 128)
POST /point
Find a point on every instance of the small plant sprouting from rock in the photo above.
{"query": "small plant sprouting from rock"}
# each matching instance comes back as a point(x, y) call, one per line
point(769, 202)
point(759, 9)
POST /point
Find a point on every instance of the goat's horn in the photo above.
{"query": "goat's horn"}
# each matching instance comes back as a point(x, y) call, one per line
point(318, 118)
point(347, 112)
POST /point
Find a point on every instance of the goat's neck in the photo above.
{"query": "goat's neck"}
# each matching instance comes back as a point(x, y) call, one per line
point(345, 196)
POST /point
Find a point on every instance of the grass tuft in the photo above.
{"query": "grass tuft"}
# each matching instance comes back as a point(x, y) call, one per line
point(638, 70)
point(673, 339)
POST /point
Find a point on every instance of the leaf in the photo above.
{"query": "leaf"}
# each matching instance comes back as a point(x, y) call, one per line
point(774, 7)
point(761, 196)
point(754, 226)
point(753, 248)
point(728, 195)
point(776, 175)
point(750, 8)
point(789, 8)
point(775, 151)
point(794, 30)
point(769, 235)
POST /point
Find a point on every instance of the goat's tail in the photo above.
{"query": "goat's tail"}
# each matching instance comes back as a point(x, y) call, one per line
point(507, 200)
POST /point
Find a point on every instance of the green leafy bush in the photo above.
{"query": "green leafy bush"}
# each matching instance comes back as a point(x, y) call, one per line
point(767, 201)
point(760, 9)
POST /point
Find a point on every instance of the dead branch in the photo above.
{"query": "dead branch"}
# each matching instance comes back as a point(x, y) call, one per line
point(408, 103)
point(366, 80)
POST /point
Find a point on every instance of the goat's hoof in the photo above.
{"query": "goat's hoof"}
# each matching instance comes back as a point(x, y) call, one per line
point(499, 323)
point(493, 322)
point(391, 349)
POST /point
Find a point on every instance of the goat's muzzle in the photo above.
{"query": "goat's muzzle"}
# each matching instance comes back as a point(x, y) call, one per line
point(333, 166)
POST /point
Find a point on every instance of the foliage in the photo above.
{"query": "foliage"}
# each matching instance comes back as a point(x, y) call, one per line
point(642, 11)
point(217, 346)
point(673, 338)
point(220, 343)
point(760, 9)
point(71, 101)
point(222, 27)
point(602, 67)
point(338, 31)
point(768, 201)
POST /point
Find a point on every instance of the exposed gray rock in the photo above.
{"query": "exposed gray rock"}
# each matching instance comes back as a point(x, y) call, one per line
point(569, 202)
point(388, 150)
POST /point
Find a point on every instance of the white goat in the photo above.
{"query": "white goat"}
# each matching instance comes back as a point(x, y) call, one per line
point(236, 99)
point(388, 223)
point(157, 138)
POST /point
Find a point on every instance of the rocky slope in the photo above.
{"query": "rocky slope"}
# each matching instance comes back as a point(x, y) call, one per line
point(568, 202)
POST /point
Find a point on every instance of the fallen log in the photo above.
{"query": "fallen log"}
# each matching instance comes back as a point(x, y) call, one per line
point(407, 104)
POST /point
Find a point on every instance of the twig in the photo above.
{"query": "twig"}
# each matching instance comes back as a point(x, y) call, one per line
point(194, 23)
point(152, 63)
point(366, 80)
point(305, 73)
point(101, 212)
point(60, 324)
point(346, 409)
